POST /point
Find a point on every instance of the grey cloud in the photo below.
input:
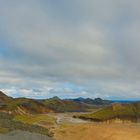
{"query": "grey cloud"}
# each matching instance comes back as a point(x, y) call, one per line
point(82, 42)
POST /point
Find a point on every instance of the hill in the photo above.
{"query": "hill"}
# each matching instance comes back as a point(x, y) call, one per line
point(21, 105)
point(55, 104)
point(24, 105)
point(59, 105)
point(8, 124)
point(129, 112)
point(32, 106)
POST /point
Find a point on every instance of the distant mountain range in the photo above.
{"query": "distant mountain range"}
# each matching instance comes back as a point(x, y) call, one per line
point(58, 105)
point(89, 101)
point(55, 104)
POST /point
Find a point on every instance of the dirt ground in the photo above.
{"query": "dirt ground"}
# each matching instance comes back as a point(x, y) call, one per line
point(98, 132)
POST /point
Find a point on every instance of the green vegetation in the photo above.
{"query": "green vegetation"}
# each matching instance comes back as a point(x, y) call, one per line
point(124, 112)
point(35, 119)
point(7, 123)
point(4, 130)
point(24, 105)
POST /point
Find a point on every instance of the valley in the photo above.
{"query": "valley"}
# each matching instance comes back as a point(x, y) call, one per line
point(74, 119)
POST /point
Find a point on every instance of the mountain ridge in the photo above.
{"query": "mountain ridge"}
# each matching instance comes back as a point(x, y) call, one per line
point(54, 104)
point(33, 106)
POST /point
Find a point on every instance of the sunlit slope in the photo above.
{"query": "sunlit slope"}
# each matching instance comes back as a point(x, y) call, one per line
point(121, 111)
point(23, 106)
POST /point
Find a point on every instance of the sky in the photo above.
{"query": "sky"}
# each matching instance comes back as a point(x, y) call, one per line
point(70, 48)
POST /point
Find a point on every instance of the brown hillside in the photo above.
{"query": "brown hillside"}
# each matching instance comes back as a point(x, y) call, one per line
point(4, 98)
point(21, 105)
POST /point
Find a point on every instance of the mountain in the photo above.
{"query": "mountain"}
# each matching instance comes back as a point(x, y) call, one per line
point(32, 106)
point(55, 104)
point(59, 105)
point(96, 101)
point(24, 105)
point(129, 112)
point(21, 105)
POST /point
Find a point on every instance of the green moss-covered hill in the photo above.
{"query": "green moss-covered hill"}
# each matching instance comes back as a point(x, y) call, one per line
point(116, 111)
point(8, 123)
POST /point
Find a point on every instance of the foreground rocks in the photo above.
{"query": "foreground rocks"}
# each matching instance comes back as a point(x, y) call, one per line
point(22, 135)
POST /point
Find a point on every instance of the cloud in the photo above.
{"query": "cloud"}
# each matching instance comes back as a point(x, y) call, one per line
point(45, 44)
